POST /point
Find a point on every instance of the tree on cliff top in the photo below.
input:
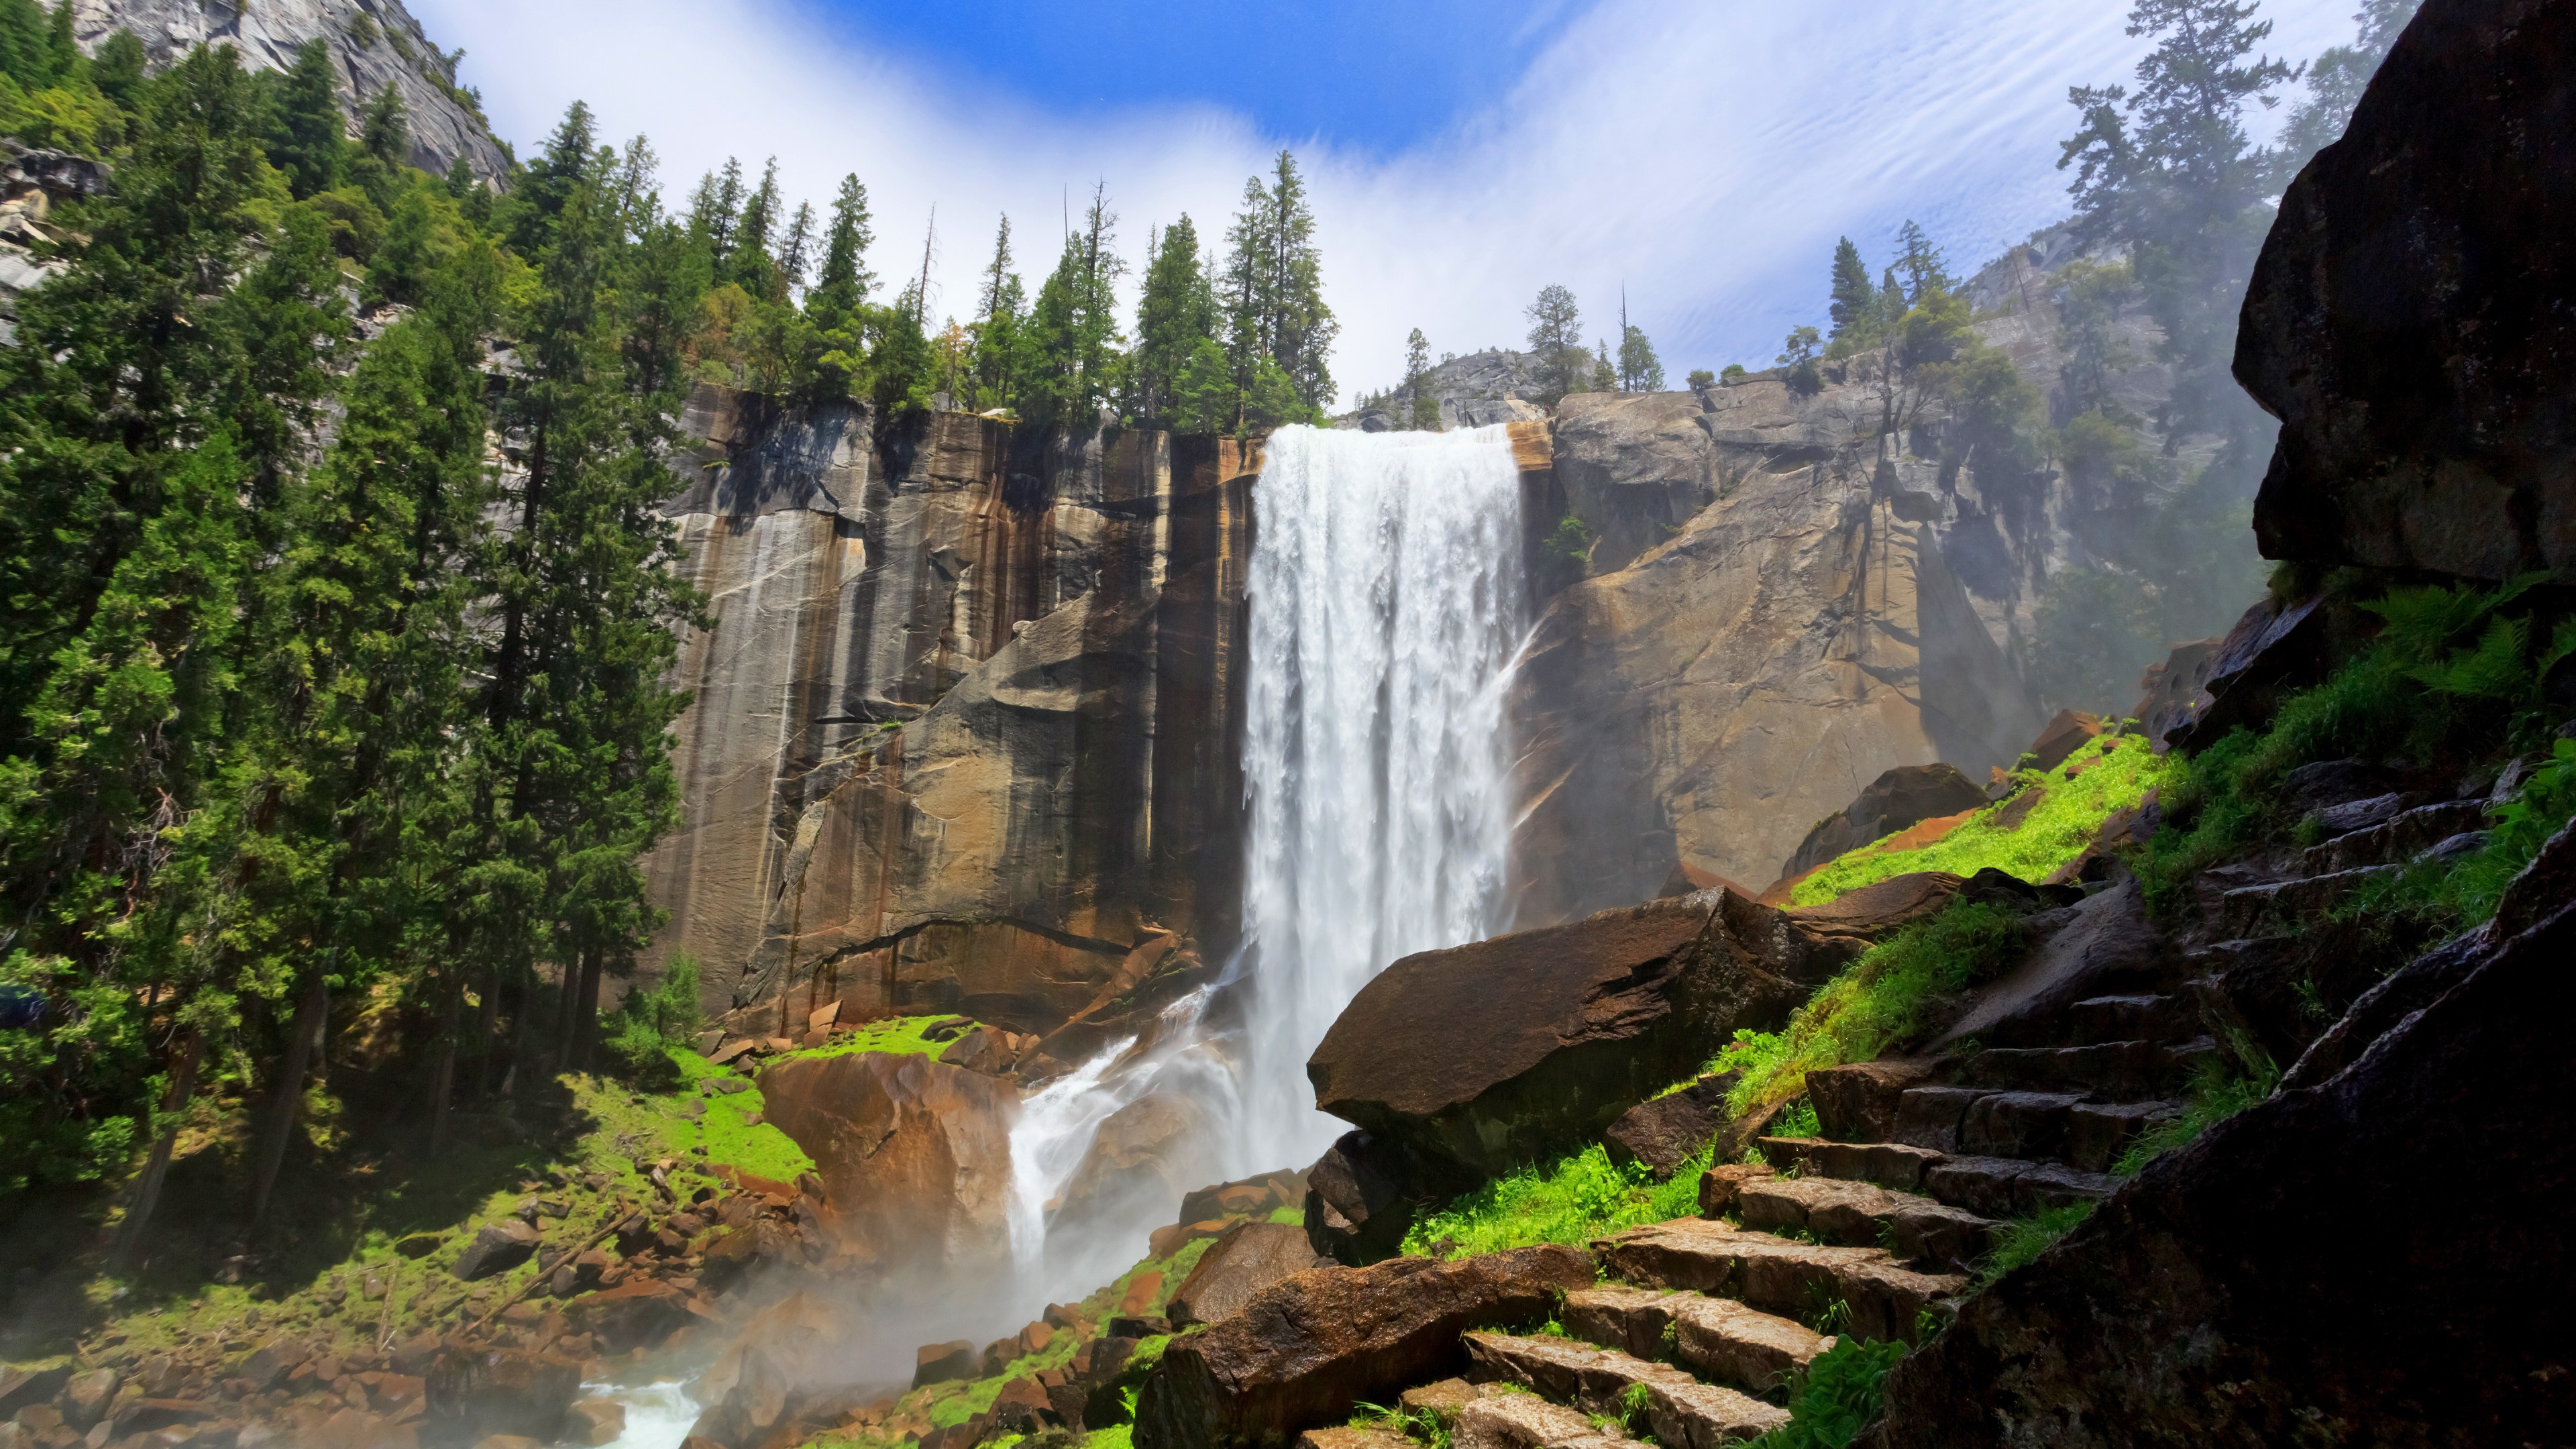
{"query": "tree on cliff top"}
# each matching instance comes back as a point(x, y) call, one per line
point(1424, 415)
point(2170, 171)
point(1072, 334)
point(1274, 298)
point(1177, 312)
point(1559, 359)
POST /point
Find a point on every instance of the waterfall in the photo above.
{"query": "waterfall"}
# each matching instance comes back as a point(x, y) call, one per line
point(1387, 602)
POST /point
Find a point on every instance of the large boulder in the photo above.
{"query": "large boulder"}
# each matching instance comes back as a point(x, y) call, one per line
point(757, 1383)
point(1662, 1133)
point(1903, 797)
point(1140, 1162)
point(1362, 1194)
point(1496, 1054)
point(2408, 321)
point(1249, 1258)
point(2282, 1278)
point(915, 1155)
point(498, 1248)
point(1306, 1349)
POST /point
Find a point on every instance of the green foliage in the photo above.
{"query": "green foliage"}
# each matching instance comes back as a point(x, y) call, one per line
point(1855, 305)
point(1572, 1200)
point(1176, 314)
point(649, 1025)
point(1873, 1004)
point(1640, 370)
point(1702, 377)
point(1798, 1119)
point(2024, 1239)
point(1556, 344)
point(2218, 1091)
point(2455, 675)
point(1272, 290)
point(2116, 775)
point(1843, 1390)
point(1571, 540)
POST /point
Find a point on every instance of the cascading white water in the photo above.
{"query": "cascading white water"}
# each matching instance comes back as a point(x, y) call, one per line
point(1387, 602)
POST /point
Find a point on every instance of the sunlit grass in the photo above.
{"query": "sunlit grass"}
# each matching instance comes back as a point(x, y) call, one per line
point(1571, 1201)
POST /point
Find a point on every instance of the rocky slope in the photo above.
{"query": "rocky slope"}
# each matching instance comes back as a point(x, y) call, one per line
point(373, 43)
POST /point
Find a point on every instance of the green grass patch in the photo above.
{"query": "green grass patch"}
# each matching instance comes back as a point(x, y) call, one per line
point(2024, 1239)
point(1572, 1201)
point(1293, 1215)
point(2217, 1092)
point(1116, 1436)
point(2117, 775)
point(1874, 1003)
point(894, 1036)
point(1844, 1389)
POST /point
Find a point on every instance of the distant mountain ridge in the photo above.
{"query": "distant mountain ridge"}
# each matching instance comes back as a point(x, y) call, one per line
point(373, 43)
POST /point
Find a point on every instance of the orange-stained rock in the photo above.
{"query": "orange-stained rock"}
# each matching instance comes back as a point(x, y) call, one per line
point(914, 1155)
point(1142, 1290)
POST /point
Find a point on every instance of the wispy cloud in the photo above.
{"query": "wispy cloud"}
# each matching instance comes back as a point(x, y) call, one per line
point(1706, 156)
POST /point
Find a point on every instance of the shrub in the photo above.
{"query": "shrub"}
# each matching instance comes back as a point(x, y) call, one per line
point(1844, 1389)
point(1874, 1003)
point(637, 1038)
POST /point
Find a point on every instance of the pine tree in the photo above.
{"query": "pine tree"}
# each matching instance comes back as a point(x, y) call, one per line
point(1072, 331)
point(715, 211)
point(1558, 360)
point(1001, 308)
point(1605, 376)
point(1640, 370)
point(1274, 301)
point(795, 253)
point(310, 139)
point(1425, 411)
point(754, 261)
point(538, 200)
point(1177, 312)
point(845, 282)
point(1925, 270)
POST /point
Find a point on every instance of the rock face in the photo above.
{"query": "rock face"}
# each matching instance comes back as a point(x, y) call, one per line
point(374, 43)
point(1491, 1055)
point(1306, 1349)
point(964, 730)
point(2408, 319)
point(915, 1155)
point(1900, 799)
point(2216, 1299)
point(1796, 639)
point(1249, 1258)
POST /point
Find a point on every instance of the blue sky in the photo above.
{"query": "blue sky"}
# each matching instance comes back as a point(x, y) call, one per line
point(1703, 155)
point(1372, 76)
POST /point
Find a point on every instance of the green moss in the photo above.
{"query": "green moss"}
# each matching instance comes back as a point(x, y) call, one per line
point(1116, 1436)
point(1572, 1200)
point(895, 1036)
point(1874, 1003)
point(2116, 776)
point(1293, 1215)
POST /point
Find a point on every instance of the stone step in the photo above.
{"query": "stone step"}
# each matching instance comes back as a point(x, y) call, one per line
point(1444, 1400)
point(1526, 1421)
point(2257, 910)
point(2111, 1071)
point(1990, 1187)
point(2134, 1018)
point(1680, 1411)
point(1717, 1338)
point(1795, 1280)
point(2395, 837)
point(1919, 1230)
point(2065, 1127)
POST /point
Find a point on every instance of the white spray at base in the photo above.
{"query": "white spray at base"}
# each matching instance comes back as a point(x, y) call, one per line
point(1387, 604)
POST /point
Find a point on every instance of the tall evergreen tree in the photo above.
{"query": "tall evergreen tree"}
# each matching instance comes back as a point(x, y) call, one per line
point(1425, 410)
point(1001, 312)
point(1072, 333)
point(1640, 370)
point(310, 137)
point(754, 261)
point(1557, 357)
point(1177, 312)
point(1855, 309)
point(1274, 297)
point(715, 211)
point(795, 253)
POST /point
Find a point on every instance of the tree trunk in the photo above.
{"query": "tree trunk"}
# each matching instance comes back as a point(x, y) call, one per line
point(147, 1191)
point(442, 1078)
point(288, 1099)
point(487, 1024)
point(586, 1012)
point(568, 1013)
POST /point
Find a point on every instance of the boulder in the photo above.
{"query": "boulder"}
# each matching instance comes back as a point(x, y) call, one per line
point(2274, 650)
point(1856, 920)
point(1249, 1258)
point(474, 1392)
point(498, 1248)
point(638, 1313)
point(85, 1396)
point(1361, 1195)
point(595, 1422)
point(756, 1385)
point(21, 1386)
point(1903, 797)
point(1670, 1130)
point(1306, 1349)
point(914, 1155)
point(2250, 1246)
point(1857, 1102)
point(2407, 321)
point(1500, 1053)
point(940, 1362)
point(1243, 1199)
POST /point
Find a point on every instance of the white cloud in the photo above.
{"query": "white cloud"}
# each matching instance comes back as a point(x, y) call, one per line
point(1707, 155)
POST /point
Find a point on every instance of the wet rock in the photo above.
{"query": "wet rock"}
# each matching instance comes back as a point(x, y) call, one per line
point(638, 1313)
point(939, 1362)
point(1858, 1102)
point(2058, 741)
point(85, 1396)
point(1143, 1292)
point(1903, 797)
point(1309, 1347)
point(1141, 1159)
point(20, 1387)
point(2274, 651)
point(1503, 1052)
point(474, 1392)
point(757, 1386)
point(1665, 1132)
point(1859, 919)
point(1249, 1258)
point(1249, 1197)
point(2243, 1245)
point(1024, 1407)
point(743, 1253)
point(1362, 1194)
point(2406, 321)
point(498, 1248)
point(595, 1422)
point(914, 1154)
